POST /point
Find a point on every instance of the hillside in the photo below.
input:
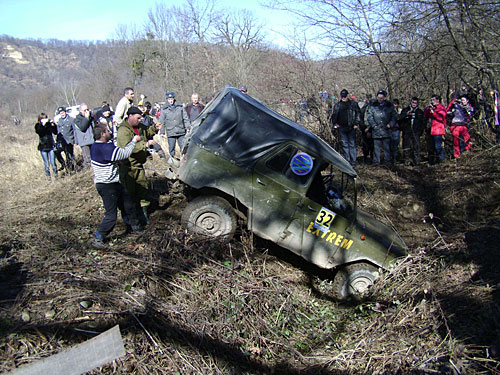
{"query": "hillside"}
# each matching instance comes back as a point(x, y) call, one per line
point(31, 65)
point(188, 305)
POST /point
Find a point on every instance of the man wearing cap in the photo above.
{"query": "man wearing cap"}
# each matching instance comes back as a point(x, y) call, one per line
point(381, 117)
point(66, 136)
point(132, 174)
point(346, 118)
point(244, 90)
point(123, 105)
point(175, 122)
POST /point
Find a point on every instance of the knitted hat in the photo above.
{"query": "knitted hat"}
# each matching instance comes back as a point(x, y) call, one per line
point(134, 111)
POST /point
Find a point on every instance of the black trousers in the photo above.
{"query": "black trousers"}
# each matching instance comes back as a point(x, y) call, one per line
point(411, 146)
point(70, 156)
point(114, 196)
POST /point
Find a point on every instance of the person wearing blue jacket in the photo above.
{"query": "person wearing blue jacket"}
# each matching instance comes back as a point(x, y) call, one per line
point(175, 122)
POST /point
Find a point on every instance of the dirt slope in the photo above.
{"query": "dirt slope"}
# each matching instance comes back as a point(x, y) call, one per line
point(188, 305)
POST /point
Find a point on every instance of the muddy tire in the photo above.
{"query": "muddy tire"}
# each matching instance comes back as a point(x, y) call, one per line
point(353, 281)
point(210, 216)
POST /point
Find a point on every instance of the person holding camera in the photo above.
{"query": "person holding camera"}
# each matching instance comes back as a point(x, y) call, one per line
point(83, 131)
point(411, 122)
point(461, 113)
point(46, 129)
point(435, 114)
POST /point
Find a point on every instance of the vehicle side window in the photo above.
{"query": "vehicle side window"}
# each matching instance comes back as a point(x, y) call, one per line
point(333, 189)
point(281, 163)
point(281, 160)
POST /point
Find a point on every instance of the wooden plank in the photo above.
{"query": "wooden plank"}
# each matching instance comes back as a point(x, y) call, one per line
point(81, 358)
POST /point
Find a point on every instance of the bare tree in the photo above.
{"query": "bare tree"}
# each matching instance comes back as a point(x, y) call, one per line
point(240, 31)
point(345, 27)
point(442, 44)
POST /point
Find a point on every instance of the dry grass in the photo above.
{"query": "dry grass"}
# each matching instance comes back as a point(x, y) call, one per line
point(186, 305)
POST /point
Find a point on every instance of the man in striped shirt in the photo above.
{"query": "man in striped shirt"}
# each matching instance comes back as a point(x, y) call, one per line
point(105, 155)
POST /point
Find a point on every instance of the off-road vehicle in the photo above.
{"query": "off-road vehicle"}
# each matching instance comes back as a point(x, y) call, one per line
point(242, 159)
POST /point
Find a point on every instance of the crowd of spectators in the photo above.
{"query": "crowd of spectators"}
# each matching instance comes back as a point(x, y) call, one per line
point(116, 144)
point(394, 134)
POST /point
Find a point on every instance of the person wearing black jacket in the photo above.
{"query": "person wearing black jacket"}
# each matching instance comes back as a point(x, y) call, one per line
point(346, 118)
point(46, 129)
point(412, 124)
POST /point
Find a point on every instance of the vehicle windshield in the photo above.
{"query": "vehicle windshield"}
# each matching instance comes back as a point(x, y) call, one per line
point(333, 189)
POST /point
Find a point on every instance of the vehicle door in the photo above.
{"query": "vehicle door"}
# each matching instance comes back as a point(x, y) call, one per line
point(327, 216)
point(278, 198)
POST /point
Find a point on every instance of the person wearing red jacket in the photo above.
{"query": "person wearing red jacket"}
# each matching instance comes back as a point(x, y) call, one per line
point(435, 113)
point(462, 113)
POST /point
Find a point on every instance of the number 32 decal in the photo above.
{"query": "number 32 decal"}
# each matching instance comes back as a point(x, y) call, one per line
point(324, 219)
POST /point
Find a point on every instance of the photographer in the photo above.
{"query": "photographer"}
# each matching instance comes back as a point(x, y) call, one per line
point(461, 113)
point(411, 122)
point(46, 129)
point(83, 131)
point(435, 114)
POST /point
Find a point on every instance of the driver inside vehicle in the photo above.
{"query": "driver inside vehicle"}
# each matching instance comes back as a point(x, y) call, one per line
point(327, 191)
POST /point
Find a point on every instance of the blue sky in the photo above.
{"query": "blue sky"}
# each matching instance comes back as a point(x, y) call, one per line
point(98, 20)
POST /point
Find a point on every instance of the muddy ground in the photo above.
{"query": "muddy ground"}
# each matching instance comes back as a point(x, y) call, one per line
point(189, 305)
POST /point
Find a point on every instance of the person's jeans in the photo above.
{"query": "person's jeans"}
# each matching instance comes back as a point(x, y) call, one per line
point(49, 159)
point(395, 137)
point(171, 143)
point(348, 139)
point(381, 144)
point(438, 146)
point(114, 196)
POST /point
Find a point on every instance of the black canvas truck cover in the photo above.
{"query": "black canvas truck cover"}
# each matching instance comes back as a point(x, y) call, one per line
point(241, 129)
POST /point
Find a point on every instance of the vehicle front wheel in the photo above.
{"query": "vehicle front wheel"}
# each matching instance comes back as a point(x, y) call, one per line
point(354, 280)
point(210, 215)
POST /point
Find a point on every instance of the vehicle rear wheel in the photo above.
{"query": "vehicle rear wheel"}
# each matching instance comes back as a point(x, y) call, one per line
point(211, 216)
point(354, 280)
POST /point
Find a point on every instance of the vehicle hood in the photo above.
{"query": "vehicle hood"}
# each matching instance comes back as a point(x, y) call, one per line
point(373, 228)
point(241, 129)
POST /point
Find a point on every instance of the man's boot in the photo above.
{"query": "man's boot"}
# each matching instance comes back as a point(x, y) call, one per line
point(144, 216)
